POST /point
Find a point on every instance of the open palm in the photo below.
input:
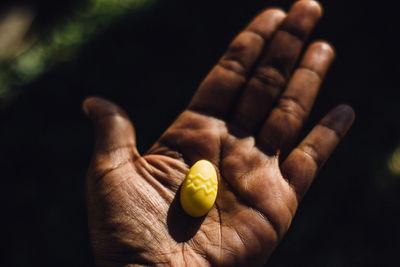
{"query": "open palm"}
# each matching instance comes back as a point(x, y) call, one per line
point(244, 118)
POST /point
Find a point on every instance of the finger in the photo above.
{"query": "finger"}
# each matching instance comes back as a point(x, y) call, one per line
point(230, 74)
point(275, 66)
point(303, 162)
point(283, 125)
point(114, 133)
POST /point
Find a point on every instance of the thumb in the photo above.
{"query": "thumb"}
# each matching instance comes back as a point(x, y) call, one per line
point(115, 139)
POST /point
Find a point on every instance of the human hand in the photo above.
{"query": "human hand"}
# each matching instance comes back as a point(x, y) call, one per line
point(244, 118)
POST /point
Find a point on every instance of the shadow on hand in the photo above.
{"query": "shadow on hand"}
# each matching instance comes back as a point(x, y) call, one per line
point(181, 226)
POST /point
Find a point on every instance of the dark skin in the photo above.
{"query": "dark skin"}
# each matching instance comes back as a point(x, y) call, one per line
point(244, 118)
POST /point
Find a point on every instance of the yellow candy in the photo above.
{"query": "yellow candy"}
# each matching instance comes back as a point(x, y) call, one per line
point(199, 189)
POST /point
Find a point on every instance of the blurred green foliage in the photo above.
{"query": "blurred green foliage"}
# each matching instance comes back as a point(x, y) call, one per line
point(394, 162)
point(62, 43)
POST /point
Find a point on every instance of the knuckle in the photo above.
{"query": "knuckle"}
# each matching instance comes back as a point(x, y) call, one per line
point(291, 106)
point(270, 76)
point(233, 65)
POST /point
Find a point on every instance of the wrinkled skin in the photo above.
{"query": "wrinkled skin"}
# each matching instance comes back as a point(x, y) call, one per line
point(244, 118)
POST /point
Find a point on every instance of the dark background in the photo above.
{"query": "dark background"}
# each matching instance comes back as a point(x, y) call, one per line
point(151, 63)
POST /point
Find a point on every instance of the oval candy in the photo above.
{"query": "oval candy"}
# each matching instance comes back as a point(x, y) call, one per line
point(199, 189)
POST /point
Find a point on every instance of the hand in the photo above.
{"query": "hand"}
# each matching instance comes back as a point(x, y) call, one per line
point(244, 118)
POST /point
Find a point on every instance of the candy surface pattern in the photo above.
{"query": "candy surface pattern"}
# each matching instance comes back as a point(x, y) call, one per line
point(199, 189)
point(199, 182)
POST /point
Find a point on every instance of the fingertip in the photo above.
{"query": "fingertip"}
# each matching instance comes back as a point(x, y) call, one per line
point(267, 20)
point(112, 127)
point(348, 110)
point(324, 47)
point(275, 12)
point(95, 107)
point(339, 119)
point(302, 18)
point(311, 7)
point(87, 103)
point(318, 57)
point(92, 104)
